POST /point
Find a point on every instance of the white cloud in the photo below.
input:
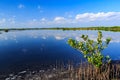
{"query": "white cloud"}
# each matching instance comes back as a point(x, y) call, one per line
point(43, 19)
point(40, 9)
point(20, 6)
point(2, 21)
point(34, 20)
point(78, 20)
point(90, 19)
point(84, 19)
point(97, 16)
point(59, 19)
point(8, 22)
point(11, 21)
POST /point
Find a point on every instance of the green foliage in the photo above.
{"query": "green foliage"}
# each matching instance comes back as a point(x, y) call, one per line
point(92, 50)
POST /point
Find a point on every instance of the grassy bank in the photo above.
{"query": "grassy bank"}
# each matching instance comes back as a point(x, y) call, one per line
point(114, 28)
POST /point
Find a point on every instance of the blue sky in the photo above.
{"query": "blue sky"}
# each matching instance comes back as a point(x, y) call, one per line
point(59, 13)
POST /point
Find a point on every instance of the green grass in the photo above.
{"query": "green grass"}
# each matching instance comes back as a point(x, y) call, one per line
point(113, 28)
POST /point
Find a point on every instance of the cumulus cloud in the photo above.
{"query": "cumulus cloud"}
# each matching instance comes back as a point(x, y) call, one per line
point(91, 19)
point(20, 6)
point(59, 19)
point(83, 19)
point(97, 16)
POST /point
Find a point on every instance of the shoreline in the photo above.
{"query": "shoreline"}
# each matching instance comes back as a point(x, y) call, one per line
point(113, 28)
point(54, 73)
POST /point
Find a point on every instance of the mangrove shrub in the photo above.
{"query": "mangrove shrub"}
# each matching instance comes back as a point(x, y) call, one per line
point(92, 50)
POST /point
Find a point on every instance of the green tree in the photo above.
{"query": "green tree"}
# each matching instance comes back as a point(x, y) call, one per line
point(92, 50)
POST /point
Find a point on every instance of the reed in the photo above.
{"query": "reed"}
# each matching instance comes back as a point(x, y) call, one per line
point(85, 71)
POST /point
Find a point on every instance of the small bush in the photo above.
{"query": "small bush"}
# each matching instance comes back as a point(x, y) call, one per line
point(92, 50)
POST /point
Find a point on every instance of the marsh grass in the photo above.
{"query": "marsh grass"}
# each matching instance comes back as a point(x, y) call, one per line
point(89, 72)
point(85, 71)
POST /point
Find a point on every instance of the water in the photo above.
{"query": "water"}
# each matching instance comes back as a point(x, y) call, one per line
point(37, 49)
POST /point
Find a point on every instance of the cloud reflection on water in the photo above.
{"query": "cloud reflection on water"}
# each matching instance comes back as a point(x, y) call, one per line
point(58, 35)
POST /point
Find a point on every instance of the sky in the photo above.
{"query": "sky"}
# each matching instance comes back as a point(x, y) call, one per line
point(59, 13)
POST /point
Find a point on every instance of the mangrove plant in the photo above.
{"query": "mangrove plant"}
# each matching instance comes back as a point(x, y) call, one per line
point(92, 50)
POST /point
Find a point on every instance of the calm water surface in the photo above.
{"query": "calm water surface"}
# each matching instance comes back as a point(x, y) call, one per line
point(21, 50)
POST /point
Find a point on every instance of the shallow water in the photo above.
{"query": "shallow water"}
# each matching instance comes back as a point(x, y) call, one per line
point(36, 49)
